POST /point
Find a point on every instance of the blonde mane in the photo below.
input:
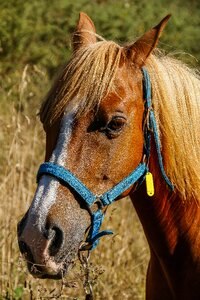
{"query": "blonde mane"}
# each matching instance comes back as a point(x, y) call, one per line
point(176, 101)
point(90, 74)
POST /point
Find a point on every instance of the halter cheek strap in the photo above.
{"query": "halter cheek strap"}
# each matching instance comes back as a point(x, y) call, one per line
point(69, 179)
point(152, 127)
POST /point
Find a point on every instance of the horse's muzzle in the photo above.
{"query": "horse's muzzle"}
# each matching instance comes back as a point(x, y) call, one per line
point(44, 249)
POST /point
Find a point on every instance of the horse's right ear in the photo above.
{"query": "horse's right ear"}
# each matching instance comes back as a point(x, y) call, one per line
point(85, 33)
point(139, 51)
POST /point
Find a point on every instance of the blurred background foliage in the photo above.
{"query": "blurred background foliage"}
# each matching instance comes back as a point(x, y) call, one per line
point(39, 31)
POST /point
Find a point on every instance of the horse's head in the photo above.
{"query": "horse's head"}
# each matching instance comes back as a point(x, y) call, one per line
point(93, 118)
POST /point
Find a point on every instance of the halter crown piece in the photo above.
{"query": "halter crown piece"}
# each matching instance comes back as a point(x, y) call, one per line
point(138, 175)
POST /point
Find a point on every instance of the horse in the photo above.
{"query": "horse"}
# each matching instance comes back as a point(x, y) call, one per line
point(120, 121)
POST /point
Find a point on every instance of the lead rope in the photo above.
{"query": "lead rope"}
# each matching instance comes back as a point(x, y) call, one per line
point(84, 259)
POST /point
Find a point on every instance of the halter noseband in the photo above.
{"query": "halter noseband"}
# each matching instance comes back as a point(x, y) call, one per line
point(69, 179)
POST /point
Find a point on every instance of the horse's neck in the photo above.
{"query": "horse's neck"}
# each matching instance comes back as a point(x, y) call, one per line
point(171, 227)
point(167, 220)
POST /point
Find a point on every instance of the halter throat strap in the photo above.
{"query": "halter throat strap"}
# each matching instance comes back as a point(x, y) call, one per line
point(69, 179)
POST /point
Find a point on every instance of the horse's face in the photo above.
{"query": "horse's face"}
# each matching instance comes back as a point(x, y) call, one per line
point(100, 148)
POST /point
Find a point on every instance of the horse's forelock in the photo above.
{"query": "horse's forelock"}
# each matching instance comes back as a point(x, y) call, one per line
point(84, 81)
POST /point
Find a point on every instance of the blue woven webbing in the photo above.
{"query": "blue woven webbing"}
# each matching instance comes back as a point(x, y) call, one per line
point(66, 177)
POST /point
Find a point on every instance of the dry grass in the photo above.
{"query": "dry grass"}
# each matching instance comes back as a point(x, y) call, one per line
point(119, 264)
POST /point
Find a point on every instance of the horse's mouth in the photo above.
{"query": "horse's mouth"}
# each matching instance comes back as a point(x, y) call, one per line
point(46, 266)
point(47, 272)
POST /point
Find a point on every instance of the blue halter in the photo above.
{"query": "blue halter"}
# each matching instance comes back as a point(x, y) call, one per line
point(67, 178)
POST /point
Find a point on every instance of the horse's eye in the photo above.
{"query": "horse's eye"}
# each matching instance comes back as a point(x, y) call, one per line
point(116, 124)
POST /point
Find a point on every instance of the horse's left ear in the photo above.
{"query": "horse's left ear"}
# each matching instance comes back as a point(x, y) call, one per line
point(85, 33)
point(142, 48)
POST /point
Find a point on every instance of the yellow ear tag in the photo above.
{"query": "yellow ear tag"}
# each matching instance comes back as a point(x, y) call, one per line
point(149, 184)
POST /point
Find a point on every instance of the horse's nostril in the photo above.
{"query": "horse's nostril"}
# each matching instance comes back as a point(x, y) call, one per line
point(55, 234)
